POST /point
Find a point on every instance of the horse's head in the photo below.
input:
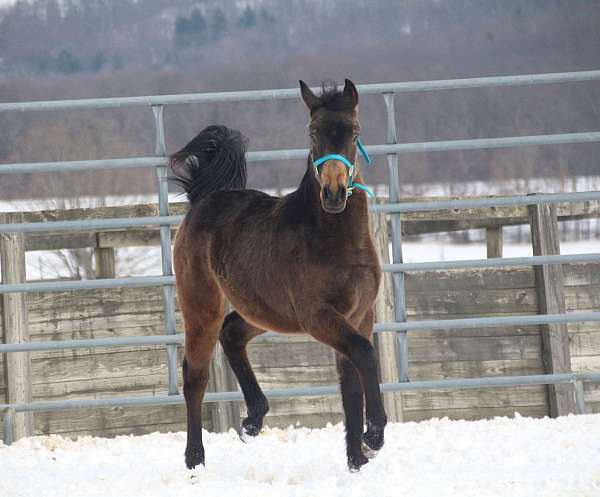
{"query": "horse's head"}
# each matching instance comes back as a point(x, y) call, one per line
point(334, 131)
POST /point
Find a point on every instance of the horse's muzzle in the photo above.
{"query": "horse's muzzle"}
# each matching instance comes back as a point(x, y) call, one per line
point(333, 201)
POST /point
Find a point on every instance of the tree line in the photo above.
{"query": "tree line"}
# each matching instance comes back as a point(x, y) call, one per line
point(103, 48)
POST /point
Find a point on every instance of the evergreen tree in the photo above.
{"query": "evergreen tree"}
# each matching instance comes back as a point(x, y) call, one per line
point(67, 63)
point(98, 62)
point(190, 30)
point(218, 23)
point(248, 19)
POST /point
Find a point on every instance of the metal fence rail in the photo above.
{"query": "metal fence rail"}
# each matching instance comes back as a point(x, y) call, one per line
point(428, 324)
point(455, 383)
point(302, 153)
point(577, 379)
point(391, 149)
point(289, 93)
point(149, 281)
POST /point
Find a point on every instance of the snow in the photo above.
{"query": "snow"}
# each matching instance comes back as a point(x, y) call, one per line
point(437, 251)
point(518, 457)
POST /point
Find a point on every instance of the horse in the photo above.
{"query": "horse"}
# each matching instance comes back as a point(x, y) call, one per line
point(302, 263)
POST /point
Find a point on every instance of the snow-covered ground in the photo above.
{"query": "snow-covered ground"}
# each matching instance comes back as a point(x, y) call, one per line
point(439, 251)
point(502, 457)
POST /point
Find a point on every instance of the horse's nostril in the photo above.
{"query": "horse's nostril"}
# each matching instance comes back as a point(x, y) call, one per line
point(342, 193)
point(326, 192)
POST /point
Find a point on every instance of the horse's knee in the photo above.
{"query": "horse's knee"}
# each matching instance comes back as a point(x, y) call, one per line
point(194, 376)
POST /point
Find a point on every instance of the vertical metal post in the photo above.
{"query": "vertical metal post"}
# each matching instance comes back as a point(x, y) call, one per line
point(165, 246)
point(579, 397)
point(9, 433)
point(397, 278)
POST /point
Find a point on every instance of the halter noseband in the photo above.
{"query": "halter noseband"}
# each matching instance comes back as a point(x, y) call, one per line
point(350, 166)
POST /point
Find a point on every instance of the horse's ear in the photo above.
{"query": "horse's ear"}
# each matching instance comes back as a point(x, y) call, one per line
point(310, 99)
point(351, 92)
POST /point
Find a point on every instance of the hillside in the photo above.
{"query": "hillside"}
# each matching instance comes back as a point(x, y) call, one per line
point(94, 48)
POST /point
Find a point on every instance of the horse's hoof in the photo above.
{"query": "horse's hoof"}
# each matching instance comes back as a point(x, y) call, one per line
point(250, 429)
point(374, 437)
point(356, 462)
point(194, 456)
point(368, 451)
point(246, 437)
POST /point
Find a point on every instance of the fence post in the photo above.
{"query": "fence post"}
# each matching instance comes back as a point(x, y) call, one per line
point(385, 343)
point(549, 284)
point(493, 240)
point(396, 230)
point(224, 415)
point(165, 247)
point(15, 324)
point(105, 261)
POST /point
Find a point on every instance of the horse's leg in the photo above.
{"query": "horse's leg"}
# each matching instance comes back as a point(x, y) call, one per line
point(373, 438)
point(353, 403)
point(202, 325)
point(235, 335)
point(331, 328)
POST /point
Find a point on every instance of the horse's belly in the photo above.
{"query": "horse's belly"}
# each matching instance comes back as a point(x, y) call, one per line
point(267, 312)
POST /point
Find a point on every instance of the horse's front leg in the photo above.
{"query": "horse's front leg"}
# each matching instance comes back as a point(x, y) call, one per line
point(353, 403)
point(332, 328)
point(374, 436)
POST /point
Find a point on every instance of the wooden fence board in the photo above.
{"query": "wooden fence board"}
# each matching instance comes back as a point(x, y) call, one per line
point(485, 348)
point(476, 413)
point(470, 279)
point(298, 360)
point(464, 399)
point(96, 421)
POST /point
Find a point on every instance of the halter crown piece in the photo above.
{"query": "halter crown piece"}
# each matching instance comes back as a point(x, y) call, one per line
point(350, 166)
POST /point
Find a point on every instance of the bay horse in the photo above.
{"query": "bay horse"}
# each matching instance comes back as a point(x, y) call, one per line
point(302, 263)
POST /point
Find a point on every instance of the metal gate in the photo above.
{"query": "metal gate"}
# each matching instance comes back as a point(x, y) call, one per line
point(394, 208)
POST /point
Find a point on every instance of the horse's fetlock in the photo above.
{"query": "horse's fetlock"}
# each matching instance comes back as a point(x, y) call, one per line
point(356, 461)
point(374, 436)
point(194, 455)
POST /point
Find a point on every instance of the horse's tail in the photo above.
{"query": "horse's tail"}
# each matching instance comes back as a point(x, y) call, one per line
point(213, 160)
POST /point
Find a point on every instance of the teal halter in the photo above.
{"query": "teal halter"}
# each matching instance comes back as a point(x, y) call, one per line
point(350, 166)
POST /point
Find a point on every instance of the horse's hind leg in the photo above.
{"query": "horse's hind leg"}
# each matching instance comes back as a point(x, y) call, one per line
point(202, 325)
point(235, 335)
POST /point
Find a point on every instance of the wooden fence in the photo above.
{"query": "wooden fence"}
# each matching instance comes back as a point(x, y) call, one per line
point(284, 361)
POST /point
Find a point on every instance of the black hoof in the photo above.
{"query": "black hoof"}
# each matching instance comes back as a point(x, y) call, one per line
point(194, 456)
point(367, 451)
point(250, 428)
point(374, 438)
point(356, 462)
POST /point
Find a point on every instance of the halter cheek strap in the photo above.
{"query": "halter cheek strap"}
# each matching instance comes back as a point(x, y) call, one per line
point(350, 166)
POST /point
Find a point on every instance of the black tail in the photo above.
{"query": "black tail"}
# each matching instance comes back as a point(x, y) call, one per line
point(214, 160)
